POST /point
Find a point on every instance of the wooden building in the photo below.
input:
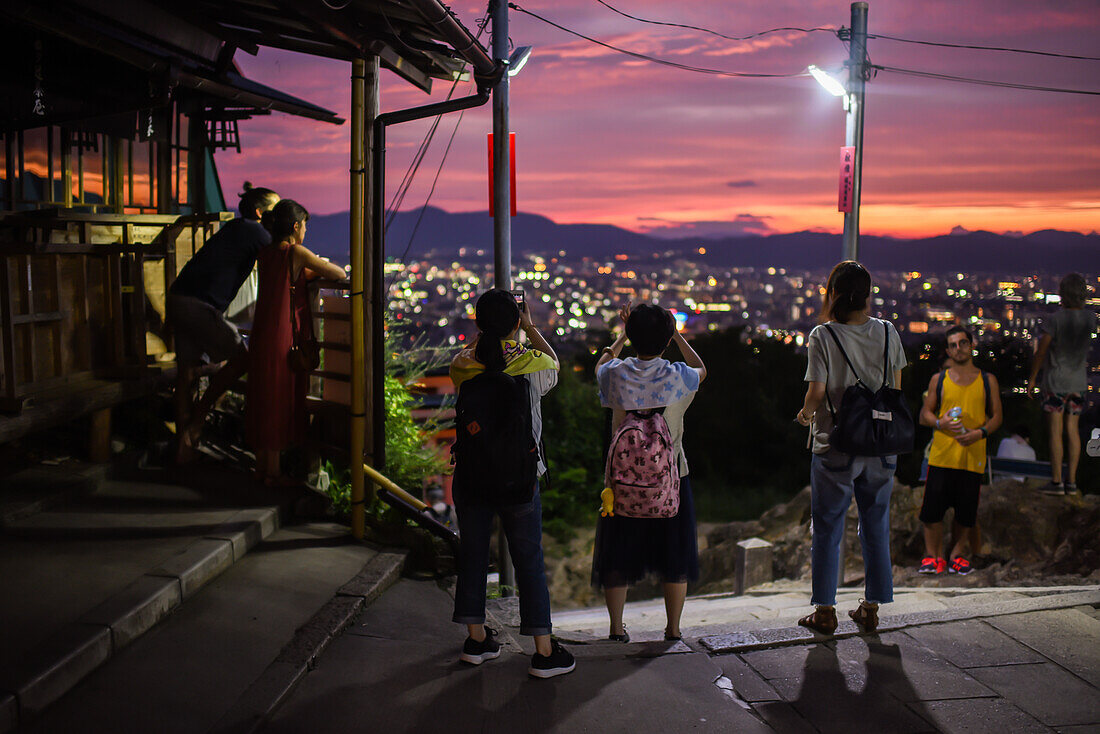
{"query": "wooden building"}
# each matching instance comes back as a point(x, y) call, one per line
point(110, 111)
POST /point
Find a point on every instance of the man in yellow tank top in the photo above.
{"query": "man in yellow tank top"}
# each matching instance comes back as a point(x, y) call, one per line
point(962, 416)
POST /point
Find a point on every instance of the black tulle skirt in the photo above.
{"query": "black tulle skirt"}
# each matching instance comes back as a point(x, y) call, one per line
point(628, 549)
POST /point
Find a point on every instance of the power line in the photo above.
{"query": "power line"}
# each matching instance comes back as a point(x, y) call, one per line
point(984, 82)
point(424, 208)
point(980, 48)
point(414, 166)
point(652, 59)
point(708, 30)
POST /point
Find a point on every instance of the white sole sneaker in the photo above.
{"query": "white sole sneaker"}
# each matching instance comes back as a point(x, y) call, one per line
point(550, 672)
point(479, 659)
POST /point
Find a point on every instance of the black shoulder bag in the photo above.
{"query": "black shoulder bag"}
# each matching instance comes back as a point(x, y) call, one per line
point(870, 423)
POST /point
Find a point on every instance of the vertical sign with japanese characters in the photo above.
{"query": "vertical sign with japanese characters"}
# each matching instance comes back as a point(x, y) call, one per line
point(847, 172)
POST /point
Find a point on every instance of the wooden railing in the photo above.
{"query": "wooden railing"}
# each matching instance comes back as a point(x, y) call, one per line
point(82, 295)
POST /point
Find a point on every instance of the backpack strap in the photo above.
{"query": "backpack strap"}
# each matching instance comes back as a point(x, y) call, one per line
point(939, 391)
point(988, 395)
point(885, 354)
point(843, 353)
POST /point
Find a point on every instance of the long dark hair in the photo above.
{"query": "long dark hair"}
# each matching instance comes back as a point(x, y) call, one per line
point(280, 219)
point(496, 316)
point(847, 292)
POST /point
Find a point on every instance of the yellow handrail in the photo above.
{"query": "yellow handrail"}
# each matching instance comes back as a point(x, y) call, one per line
point(392, 488)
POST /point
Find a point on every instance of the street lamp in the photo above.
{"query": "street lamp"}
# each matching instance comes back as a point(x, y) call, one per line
point(832, 86)
point(853, 94)
point(518, 59)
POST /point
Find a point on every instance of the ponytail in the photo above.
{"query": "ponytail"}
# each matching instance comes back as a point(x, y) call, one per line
point(496, 316)
point(847, 292)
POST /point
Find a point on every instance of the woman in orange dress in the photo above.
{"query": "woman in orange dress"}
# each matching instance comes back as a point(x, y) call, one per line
point(276, 411)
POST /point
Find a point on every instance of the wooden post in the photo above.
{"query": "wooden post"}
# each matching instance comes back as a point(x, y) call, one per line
point(99, 437)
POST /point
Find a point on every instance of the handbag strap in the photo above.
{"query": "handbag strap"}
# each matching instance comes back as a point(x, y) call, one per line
point(297, 330)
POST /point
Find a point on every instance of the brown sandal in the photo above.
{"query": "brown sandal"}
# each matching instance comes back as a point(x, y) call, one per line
point(823, 620)
point(865, 615)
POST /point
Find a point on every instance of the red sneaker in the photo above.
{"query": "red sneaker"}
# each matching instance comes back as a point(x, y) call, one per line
point(960, 566)
point(927, 565)
point(941, 565)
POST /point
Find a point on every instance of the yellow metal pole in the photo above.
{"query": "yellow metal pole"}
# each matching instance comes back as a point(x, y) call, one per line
point(358, 356)
point(392, 488)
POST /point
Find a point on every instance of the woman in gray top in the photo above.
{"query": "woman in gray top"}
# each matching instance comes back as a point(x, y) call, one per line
point(1063, 357)
point(836, 477)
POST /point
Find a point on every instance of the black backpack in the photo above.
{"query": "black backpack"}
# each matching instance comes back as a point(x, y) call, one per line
point(496, 459)
point(870, 423)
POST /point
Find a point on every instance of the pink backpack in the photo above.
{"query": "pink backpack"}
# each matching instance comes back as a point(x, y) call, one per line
point(641, 467)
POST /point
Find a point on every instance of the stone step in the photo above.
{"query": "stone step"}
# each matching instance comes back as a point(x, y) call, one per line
point(79, 594)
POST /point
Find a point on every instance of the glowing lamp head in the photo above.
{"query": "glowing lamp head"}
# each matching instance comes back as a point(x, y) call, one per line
point(832, 86)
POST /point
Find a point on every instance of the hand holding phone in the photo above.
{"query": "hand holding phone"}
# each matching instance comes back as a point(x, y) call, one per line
point(520, 297)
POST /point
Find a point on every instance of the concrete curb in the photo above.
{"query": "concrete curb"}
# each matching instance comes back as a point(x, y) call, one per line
point(50, 670)
point(746, 640)
point(256, 705)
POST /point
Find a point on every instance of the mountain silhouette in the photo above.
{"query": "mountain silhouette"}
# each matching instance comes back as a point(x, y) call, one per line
point(442, 234)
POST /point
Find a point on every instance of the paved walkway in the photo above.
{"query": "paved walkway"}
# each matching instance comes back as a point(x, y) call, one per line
point(1033, 664)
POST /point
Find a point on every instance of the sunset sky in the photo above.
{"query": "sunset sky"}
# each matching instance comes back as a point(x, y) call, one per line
point(603, 137)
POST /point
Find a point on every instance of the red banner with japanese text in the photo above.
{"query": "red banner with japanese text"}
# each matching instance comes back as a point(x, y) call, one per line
point(847, 178)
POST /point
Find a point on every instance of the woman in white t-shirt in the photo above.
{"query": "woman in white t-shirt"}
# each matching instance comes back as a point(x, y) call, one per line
point(627, 549)
point(836, 477)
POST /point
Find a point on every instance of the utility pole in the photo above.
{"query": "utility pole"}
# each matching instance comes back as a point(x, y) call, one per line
point(502, 173)
point(853, 127)
point(502, 221)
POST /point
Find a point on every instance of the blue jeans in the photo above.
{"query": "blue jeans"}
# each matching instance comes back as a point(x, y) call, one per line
point(834, 478)
point(523, 528)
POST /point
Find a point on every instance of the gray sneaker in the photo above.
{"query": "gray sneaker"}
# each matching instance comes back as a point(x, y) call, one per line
point(1052, 488)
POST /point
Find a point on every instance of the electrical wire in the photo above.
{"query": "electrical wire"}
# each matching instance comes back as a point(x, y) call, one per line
point(427, 200)
point(980, 48)
point(708, 30)
point(984, 82)
point(414, 166)
point(653, 59)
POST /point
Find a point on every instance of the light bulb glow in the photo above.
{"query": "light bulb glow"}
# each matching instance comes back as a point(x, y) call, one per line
point(832, 86)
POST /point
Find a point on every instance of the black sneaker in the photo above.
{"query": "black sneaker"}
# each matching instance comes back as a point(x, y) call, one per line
point(559, 662)
point(476, 653)
point(624, 637)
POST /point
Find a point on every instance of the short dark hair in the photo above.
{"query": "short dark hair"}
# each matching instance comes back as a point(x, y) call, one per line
point(956, 329)
point(1073, 290)
point(649, 328)
point(255, 198)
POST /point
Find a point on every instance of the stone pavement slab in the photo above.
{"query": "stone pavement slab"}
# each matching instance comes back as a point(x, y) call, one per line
point(909, 670)
point(979, 716)
point(973, 644)
point(185, 673)
point(403, 654)
point(1050, 694)
point(835, 694)
point(1066, 636)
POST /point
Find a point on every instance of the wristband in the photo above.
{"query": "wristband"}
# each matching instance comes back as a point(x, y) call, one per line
point(609, 350)
point(985, 433)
